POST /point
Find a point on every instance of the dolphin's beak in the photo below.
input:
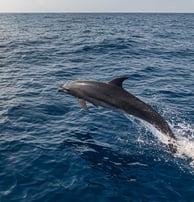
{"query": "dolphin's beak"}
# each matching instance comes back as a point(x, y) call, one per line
point(63, 89)
point(60, 90)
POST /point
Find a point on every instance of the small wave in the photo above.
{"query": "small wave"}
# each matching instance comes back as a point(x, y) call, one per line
point(9, 186)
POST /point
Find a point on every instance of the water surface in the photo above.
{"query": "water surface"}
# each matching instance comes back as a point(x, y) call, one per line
point(52, 150)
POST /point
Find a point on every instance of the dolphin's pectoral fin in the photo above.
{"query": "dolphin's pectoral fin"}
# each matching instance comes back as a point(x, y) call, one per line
point(83, 104)
point(118, 81)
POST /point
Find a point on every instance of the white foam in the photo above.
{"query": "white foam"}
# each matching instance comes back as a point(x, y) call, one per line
point(184, 143)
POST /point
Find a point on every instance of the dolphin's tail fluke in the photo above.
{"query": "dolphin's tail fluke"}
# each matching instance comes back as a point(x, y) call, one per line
point(165, 129)
point(172, 147)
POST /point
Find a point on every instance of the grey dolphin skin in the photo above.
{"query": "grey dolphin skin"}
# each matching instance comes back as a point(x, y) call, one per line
point(112, 95)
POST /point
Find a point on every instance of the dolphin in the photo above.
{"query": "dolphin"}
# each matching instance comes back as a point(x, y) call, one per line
point(112, 95)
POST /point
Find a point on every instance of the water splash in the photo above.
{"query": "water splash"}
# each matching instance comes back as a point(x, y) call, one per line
point(184, 143)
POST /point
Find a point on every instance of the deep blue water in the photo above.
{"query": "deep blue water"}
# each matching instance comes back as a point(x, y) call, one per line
point(52, 150)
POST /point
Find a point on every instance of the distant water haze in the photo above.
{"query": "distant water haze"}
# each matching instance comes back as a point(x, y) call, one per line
point(97, 6)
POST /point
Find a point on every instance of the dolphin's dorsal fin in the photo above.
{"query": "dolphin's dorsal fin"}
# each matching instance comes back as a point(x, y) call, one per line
point(83, 104)
point(118, 81)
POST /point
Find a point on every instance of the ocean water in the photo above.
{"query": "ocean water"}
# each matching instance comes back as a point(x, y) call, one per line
point(52, 150)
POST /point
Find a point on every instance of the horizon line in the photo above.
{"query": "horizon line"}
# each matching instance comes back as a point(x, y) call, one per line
point(98, 12)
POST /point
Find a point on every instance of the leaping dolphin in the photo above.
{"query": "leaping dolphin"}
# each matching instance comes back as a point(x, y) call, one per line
point(113, 96)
